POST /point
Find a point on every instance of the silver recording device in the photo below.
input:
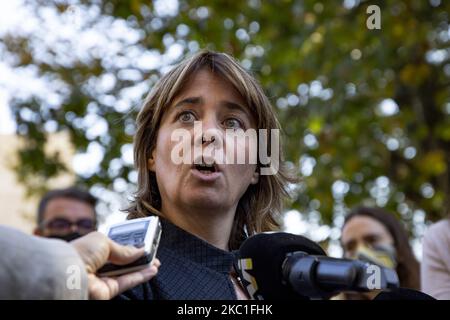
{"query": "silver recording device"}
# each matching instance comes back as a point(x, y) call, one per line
point(142, 232)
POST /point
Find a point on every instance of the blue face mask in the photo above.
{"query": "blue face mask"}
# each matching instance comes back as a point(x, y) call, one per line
point(382, 255)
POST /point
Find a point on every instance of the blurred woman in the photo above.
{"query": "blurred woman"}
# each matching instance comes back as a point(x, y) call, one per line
point(207, 208)
point(377, 236)
point(435, 271)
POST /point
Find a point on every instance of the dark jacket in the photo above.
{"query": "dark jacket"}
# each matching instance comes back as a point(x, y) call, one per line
point(190, 269)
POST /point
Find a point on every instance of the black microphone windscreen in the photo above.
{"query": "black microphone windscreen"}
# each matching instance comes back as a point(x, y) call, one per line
point(260, 263)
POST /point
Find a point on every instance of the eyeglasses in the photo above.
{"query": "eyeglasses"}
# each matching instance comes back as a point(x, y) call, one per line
point(62, 224)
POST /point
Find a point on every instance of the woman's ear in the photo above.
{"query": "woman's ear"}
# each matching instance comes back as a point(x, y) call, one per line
point(151, 162)
point(255, 177)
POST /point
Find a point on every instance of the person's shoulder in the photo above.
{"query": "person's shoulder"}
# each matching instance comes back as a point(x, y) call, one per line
point(440, 231)
point(440, 226)
point(8, 232)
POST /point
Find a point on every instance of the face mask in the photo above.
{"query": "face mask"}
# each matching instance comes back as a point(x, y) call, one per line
point(67, 237)
point(382, 255)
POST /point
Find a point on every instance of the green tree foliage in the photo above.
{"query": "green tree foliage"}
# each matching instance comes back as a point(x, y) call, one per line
point(365, 112)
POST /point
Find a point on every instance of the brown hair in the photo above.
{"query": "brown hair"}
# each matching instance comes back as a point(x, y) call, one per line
point(259, 208)
point(73, 193)
point(408, 268)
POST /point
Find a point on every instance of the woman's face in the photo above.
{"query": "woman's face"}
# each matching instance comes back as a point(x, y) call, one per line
point(214, 102)
point(364, 230)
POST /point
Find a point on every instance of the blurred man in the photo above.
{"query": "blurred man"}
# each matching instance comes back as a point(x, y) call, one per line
point(66, 214)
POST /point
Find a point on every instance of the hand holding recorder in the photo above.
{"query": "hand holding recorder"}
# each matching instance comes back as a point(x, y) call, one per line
point(96, 250)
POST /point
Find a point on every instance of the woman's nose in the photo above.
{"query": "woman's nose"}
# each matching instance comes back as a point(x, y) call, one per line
point(209, 131)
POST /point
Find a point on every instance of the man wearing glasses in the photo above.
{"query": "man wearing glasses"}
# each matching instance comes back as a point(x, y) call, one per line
point(66, 214)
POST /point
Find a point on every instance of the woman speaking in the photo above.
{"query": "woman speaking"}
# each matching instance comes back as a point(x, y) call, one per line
point(207, 206)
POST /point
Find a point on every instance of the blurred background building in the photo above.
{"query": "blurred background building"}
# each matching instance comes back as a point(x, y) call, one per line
point(17, 209)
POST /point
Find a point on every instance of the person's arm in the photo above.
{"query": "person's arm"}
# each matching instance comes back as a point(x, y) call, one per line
point(435, 267)
point(38, 268)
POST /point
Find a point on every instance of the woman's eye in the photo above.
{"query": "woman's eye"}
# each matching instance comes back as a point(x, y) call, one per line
point(232, 123)
point(186, 117)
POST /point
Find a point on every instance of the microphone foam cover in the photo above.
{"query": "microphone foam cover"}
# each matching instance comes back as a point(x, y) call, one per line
point(260, 260)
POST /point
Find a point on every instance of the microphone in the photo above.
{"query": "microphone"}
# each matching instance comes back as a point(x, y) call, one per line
point(281, 265)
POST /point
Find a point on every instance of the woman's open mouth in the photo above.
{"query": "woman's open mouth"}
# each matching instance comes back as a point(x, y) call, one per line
point(206, 172)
